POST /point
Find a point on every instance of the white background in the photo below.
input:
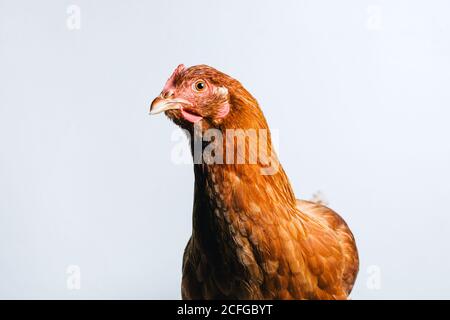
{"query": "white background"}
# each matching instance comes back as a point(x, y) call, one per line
point(358, 90)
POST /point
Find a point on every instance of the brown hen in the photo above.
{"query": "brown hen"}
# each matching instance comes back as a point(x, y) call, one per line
point(251, 238)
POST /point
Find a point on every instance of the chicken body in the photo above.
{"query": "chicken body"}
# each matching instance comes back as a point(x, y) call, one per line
point(261, 251)
point(251, 238)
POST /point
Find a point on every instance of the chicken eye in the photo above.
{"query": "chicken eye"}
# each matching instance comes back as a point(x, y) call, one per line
point(199, 85)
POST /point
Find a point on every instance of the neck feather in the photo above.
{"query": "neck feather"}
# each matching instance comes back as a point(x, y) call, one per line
point(228, 195)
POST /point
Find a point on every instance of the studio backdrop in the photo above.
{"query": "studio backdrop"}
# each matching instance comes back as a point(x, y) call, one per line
point(96, 195)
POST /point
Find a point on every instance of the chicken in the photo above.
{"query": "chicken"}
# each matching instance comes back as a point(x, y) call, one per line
point(251, 238)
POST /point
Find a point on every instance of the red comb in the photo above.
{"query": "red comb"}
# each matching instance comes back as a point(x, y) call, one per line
point(171, 81)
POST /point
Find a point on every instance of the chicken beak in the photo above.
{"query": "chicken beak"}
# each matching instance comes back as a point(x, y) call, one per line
point(159, 104)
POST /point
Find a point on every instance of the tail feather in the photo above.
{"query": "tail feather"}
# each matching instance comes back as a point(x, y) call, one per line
point(319, 198)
